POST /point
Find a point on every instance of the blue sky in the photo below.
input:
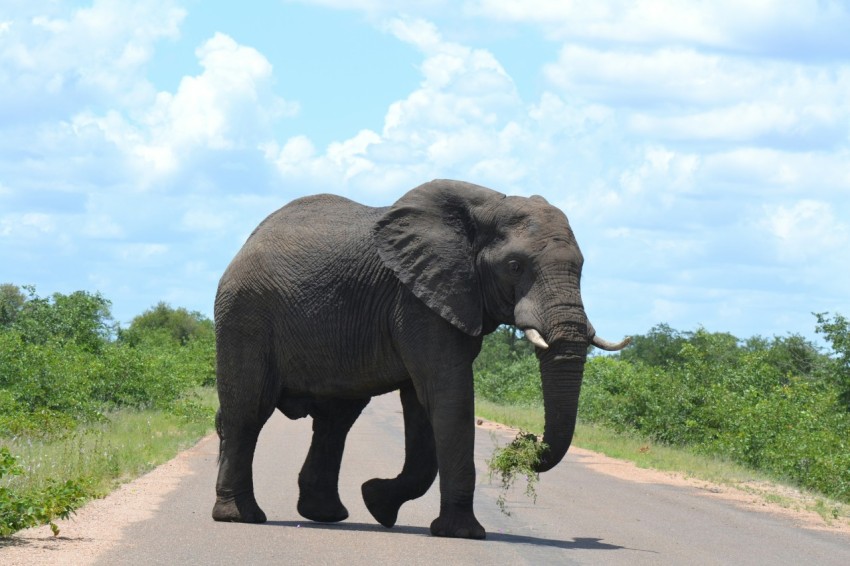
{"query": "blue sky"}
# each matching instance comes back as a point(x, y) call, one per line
point(700, 149)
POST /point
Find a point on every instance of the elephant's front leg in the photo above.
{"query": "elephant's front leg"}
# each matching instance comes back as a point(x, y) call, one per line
point(384, 497)
point(452, 414)
point(318, 498)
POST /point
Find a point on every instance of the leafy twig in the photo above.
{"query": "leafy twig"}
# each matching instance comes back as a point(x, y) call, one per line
point(517, 459)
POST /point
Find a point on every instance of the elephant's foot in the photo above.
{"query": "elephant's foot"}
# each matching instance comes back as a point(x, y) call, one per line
point(379, 500)
point(321, 507)
point(458, 525)
point(238, 509)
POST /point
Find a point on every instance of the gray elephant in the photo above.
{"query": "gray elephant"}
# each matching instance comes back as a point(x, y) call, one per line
point(330, 302)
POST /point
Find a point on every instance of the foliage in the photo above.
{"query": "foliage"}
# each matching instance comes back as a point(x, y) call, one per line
point(659, 347)
point(837, 331)
point(779, 405)
point(517, 459)
point(771, 405)
point(12, 301)
point(61, 367)
point(505, 368)
point(81, 318)
point(163, 322)
point(21, 510)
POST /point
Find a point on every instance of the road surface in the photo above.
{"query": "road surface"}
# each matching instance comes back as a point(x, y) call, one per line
point(582, 516)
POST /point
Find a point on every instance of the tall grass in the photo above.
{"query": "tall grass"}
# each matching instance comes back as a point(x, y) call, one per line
point(127, 444)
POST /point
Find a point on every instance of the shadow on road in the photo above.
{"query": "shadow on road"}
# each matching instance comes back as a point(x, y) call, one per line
point(574, 544)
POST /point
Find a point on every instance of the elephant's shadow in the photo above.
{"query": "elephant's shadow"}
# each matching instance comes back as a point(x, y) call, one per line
point(574, 544)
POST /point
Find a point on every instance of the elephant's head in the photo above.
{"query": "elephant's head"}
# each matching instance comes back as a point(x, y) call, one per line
point(479, 259)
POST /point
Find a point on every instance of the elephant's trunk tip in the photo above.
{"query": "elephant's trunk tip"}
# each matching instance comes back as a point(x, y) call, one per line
point(546, 462)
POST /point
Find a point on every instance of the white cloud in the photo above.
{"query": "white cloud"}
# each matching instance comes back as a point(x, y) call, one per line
point(663, 170)
point(459, 121)
point(27, 224)
point(818, 29)
point(341, 162)
point(682, 96)
point(55, 57)
point(649, 78)
point(807, 230)
point(229, 105)
point(769, 171)
point(210, 109)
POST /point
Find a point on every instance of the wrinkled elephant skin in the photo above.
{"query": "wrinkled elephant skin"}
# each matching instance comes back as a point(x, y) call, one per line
point(330, 302)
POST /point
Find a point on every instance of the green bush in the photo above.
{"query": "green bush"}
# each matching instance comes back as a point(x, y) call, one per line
point(506, 371)
point(163, 324)
point(772, 405)
point(779, 405)
point(61, 366)
point(38, 507)
point(837, 331)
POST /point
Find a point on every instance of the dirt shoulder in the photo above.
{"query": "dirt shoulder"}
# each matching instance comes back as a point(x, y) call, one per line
point(102, 523)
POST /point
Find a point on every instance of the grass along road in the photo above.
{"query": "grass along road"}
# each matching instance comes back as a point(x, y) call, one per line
point(707, 472)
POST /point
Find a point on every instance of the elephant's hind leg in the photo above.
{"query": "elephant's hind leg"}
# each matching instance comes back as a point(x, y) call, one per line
point(318, 499)
point(234, 488)
point(244, 408)
point(384, 497)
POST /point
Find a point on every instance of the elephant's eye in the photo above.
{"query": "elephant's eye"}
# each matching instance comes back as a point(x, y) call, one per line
point(514, 267)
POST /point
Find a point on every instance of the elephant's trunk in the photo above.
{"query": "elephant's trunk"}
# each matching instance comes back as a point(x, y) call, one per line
point(562, 374)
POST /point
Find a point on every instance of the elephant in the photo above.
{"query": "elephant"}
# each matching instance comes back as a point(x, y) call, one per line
point(330, 302)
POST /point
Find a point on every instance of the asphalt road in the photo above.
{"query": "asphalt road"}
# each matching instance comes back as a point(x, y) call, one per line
point(581, 517)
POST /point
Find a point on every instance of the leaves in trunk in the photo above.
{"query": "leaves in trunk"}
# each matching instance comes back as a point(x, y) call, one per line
point(518, 459)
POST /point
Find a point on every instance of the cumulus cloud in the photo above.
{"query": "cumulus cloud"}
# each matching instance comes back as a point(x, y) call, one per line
point(458, 121)
point(229, 105)
point(684, 95)
point(818, 29)
point(56, 58)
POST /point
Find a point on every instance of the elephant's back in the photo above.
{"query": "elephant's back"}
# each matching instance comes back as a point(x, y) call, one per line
point(318, 219)
point(311, 240)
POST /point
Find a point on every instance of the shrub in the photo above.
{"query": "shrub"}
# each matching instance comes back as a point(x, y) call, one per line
point(38, 507)
point(773, 405)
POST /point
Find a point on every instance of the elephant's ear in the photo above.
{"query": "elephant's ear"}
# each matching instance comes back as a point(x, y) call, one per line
point(428, 239)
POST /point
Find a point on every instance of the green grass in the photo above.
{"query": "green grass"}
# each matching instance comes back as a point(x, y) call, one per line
point(644, 453)
point(103, 455)
point(651, 455)
point(518, 416)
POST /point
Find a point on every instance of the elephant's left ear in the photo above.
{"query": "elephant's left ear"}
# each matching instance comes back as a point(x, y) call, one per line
point(428, 239)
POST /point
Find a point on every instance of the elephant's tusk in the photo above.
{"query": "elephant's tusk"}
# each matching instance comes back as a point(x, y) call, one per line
point(610, 346)
point(535, 338)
